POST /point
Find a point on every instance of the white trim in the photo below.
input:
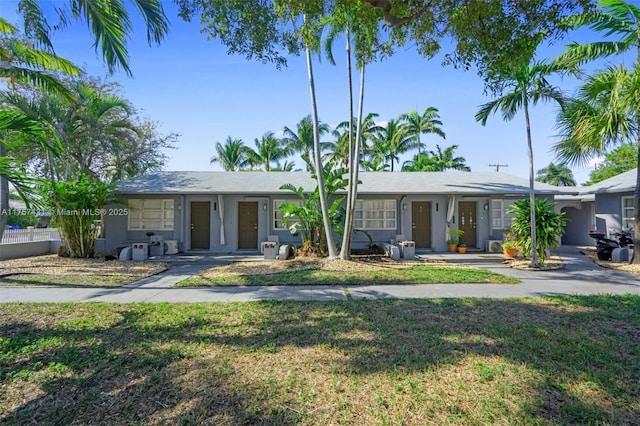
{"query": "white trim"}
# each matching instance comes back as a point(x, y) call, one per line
point(626, 209)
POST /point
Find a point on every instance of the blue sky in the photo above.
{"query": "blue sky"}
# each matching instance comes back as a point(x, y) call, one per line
point(192, 87)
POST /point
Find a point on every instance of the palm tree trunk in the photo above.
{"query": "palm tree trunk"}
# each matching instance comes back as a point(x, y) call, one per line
point(331, 246)
point(356, 165)
point(346, 237)
point(4, 194)
point(532, 197)
point(636, 221)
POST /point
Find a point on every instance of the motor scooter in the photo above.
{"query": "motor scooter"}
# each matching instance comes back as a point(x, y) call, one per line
point(605, 246)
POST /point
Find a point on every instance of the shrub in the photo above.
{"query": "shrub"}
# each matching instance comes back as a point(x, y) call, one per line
point(549, 226)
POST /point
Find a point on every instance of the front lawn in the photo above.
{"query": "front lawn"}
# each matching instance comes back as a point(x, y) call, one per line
point(53, 270)
point(336, 272)
point(554, 360)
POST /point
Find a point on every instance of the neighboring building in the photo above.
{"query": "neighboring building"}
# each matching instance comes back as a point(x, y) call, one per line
point(614, 201)
point(605, 206)
point(228, 212)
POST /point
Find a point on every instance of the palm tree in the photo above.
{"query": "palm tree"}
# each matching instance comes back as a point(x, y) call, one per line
point(445, 160)
point(525, 85)
point(269, 149)
point(350, 20)
point(422, 162)
point(310, 39)
point(416, 124)
point(556, 174)
point(302, 139)
point(375, 165)
point(109, 21)
point(391, 142)
point(23, 65)
point(233, 155)
point(437, 161)
point(606, 110)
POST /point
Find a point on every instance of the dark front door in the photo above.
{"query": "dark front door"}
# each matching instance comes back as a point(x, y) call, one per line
point(247, 226)
point(467, 222)
point(200, 225)
point(421, 223)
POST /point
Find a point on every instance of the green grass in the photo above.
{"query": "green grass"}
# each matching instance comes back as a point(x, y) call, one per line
point(96, 280)
point(542, 361)
point(411, 275)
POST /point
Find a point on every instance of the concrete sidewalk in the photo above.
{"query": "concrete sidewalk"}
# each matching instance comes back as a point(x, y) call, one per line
point(579, 277)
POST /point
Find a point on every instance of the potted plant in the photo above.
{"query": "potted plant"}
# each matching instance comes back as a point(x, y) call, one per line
point(454, 238)
point(509, 249)
point(462, 248)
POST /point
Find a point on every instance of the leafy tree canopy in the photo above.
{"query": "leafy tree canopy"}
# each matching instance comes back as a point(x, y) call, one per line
point(621, 159)
point(488, 33)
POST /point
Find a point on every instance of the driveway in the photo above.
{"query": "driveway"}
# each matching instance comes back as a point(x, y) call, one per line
point(580, 277)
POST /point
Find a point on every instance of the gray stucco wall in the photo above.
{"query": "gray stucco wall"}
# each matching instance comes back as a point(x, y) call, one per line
point(580, 218)
point(608, 209)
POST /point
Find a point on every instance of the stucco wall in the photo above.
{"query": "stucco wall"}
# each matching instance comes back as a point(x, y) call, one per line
point(26, 249)
point(609, 211)
point(580, 219)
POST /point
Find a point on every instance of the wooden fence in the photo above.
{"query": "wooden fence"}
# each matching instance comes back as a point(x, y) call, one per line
point(29, 234)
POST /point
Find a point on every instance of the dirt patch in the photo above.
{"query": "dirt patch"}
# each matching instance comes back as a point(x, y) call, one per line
point(620, 266)
point(357, 263)
point(68, 271)
point(554, 262)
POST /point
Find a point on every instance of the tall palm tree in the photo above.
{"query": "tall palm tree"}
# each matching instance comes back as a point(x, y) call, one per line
point(416, 124)
point(109, 21)
point(233, 155)
point(310, 39)
point(352, 21)
point(606, 111)
point(391, 142)
point(23, 65)
point(556, 174)
point(269, 149)
point(524, 86)
point(301, 140)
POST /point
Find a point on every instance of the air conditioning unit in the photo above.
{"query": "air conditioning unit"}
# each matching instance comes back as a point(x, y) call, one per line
point(494, 246)
point(171, 247)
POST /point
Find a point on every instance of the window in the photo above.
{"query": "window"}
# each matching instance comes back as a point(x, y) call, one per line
point(154, 215)
point(628, 212)
point(278, 215)
point(500, 218)
point(375, 214)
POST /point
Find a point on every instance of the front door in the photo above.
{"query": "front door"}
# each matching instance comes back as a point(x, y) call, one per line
point(200, 225)
point(421, 223)
point(247, 226)
point(467, 222)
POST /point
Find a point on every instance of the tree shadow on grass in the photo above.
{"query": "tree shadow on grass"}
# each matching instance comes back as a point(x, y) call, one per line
point(228, 363)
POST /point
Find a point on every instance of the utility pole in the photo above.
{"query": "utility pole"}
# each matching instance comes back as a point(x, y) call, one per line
point(497, 166)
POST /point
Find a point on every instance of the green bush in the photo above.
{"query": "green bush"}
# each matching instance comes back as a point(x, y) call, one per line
point(549, 226)
point(21, 218)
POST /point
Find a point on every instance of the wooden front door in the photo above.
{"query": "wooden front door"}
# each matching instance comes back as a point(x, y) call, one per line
point(421, 223)
point(247, 226)
point(200, 225)
point(467, 222)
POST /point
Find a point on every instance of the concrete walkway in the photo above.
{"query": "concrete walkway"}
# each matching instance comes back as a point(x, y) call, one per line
point(579, 277)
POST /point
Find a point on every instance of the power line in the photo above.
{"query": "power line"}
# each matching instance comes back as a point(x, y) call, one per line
point(497, 166)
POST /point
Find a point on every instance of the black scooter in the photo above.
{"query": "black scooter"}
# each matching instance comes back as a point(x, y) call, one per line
point(605, 246)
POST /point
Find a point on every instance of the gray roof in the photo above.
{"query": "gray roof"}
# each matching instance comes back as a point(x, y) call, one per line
point(264, 183)
point(624, 182)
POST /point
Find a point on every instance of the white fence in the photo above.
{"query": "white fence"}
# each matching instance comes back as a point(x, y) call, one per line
point(29, 234)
